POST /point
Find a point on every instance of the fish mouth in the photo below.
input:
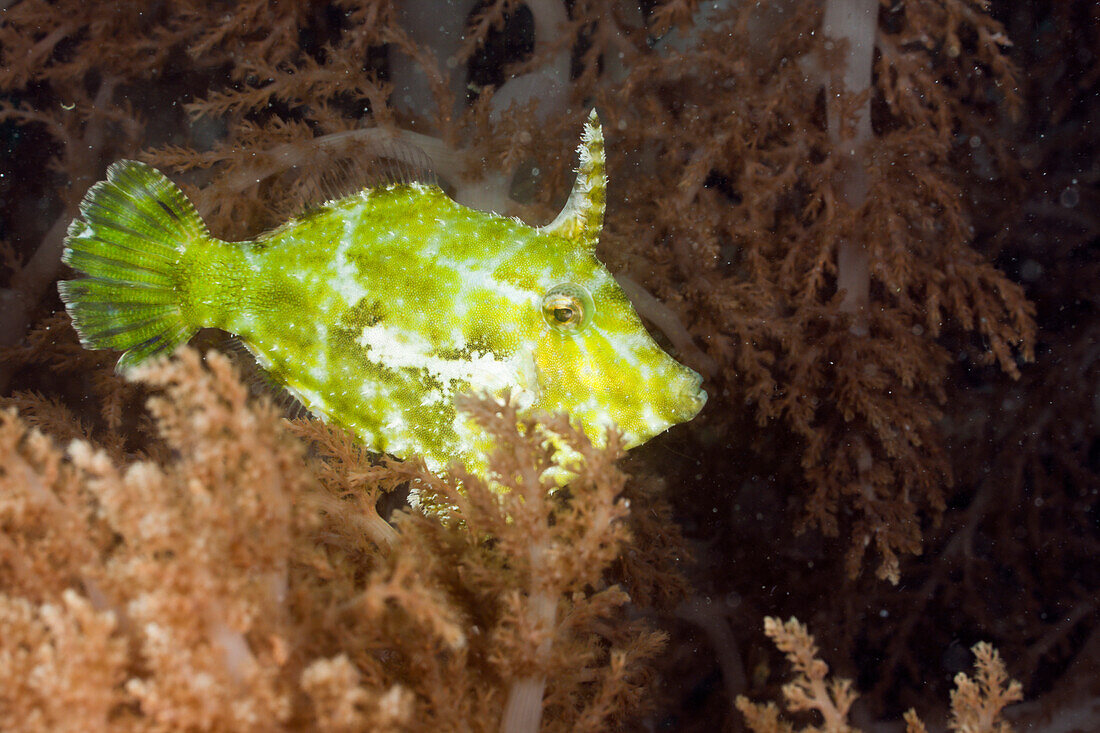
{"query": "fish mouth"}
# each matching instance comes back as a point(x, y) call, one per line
point(692, 396)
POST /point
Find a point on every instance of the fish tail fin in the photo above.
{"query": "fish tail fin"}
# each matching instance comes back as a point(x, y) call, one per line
point(133, 228)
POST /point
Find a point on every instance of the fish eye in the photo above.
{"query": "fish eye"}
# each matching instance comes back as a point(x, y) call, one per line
point(567, 307)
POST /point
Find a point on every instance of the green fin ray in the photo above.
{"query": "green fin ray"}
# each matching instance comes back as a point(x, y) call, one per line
point(134, 227)
point(90, 290)
point(112, 236)
point(117, 269)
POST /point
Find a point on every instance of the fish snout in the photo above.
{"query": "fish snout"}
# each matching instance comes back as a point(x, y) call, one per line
point(690, 395)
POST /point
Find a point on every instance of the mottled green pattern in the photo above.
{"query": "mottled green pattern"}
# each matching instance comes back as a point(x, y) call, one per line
point(377, 309)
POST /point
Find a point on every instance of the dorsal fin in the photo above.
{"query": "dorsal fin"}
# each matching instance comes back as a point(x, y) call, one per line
point(582, 217)
point(341, 169)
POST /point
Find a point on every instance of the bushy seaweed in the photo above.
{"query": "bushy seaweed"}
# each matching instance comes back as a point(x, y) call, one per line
point(871, 226)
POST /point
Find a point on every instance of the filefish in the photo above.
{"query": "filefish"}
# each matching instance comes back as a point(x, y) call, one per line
point(376, 309)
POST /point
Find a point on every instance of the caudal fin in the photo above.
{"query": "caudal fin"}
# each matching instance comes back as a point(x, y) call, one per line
point(128, 241)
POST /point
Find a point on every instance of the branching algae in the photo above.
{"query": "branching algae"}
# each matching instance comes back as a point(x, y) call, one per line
point(376, 309)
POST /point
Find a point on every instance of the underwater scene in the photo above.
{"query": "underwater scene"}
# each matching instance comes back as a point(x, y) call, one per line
point(550, 365)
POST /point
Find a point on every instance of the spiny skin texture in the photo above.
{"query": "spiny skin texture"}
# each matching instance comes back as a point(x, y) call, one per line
point(378, 309)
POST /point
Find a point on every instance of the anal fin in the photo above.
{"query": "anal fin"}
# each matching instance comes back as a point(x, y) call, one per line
point(259, 380)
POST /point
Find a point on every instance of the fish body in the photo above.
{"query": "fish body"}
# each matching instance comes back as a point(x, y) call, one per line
point(377, 309)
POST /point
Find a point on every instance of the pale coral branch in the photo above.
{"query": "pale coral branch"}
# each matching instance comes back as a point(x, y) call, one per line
point(34, 277)
point(446, 161)
point(711, 619)
point(42, 269)
point(852, 25)
point(438, 25)
point(668, 323)
point(523, 711)
point(17, 301)
point(550, 83)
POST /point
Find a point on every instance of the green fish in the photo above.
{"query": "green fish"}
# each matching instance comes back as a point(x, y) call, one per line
point(377, 309)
